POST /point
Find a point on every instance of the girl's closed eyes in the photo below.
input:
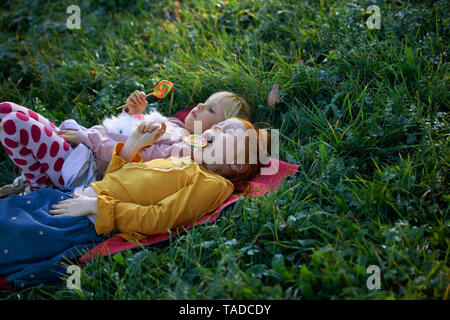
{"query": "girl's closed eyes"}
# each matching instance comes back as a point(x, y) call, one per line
point(212, 108)
point(217, 108)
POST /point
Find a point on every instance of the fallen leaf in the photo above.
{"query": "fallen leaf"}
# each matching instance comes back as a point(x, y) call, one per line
point(272, 97)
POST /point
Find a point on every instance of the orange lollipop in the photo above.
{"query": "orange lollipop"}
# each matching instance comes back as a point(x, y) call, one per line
point(161, 91)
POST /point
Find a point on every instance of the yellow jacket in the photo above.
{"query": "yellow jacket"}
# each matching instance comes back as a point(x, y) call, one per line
point(146, 198)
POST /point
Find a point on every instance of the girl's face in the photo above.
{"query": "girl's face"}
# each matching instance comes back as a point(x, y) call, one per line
point(209, 113)
point(224, 147)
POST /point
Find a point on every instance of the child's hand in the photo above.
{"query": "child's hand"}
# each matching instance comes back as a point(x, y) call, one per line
point(136, 103)
point(145, 135)
point(148, 133)
point(80, 205)
point(69, 135)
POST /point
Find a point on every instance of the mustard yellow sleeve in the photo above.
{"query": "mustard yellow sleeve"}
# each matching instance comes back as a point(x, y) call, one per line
point(117, 161)
point(186, 205)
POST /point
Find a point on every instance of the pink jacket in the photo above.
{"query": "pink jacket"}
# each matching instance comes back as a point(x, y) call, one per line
point(102, 143)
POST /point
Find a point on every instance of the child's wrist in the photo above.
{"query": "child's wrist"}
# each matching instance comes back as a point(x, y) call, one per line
point(135, 111)
point(93, 206)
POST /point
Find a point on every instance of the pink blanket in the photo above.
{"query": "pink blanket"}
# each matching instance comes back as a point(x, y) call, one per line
point(260, 185)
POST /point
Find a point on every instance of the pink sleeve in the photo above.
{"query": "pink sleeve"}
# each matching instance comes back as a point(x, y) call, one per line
point(83, 137)
point(177, 122)
point(100, 142)
point(157, 151)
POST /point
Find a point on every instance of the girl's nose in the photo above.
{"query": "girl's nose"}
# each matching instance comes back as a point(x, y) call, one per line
point(200, 106)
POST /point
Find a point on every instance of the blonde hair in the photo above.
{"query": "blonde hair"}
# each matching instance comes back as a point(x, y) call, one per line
point(235, 105)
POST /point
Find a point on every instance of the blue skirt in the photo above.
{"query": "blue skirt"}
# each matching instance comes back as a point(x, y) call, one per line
point(33, 242)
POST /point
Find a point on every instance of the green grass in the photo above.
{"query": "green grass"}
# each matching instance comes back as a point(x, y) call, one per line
point(363, 112)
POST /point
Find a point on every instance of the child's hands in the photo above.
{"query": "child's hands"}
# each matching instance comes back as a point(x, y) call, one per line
point(69, 135)
point(136, 103)
point(80, 205)
point(144, 135)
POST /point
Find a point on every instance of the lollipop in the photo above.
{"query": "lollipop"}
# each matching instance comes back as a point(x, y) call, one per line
point(161, 91)
point(195, 141)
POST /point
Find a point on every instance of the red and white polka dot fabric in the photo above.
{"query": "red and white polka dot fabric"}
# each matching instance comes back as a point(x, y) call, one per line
point(32, 143)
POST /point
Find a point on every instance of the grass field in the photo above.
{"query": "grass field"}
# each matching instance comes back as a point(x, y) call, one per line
point(363, 112)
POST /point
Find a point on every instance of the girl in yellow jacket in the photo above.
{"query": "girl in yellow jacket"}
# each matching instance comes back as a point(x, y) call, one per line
point(146, 198)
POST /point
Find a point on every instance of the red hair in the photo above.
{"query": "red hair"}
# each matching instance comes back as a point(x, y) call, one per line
point(241, 180)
